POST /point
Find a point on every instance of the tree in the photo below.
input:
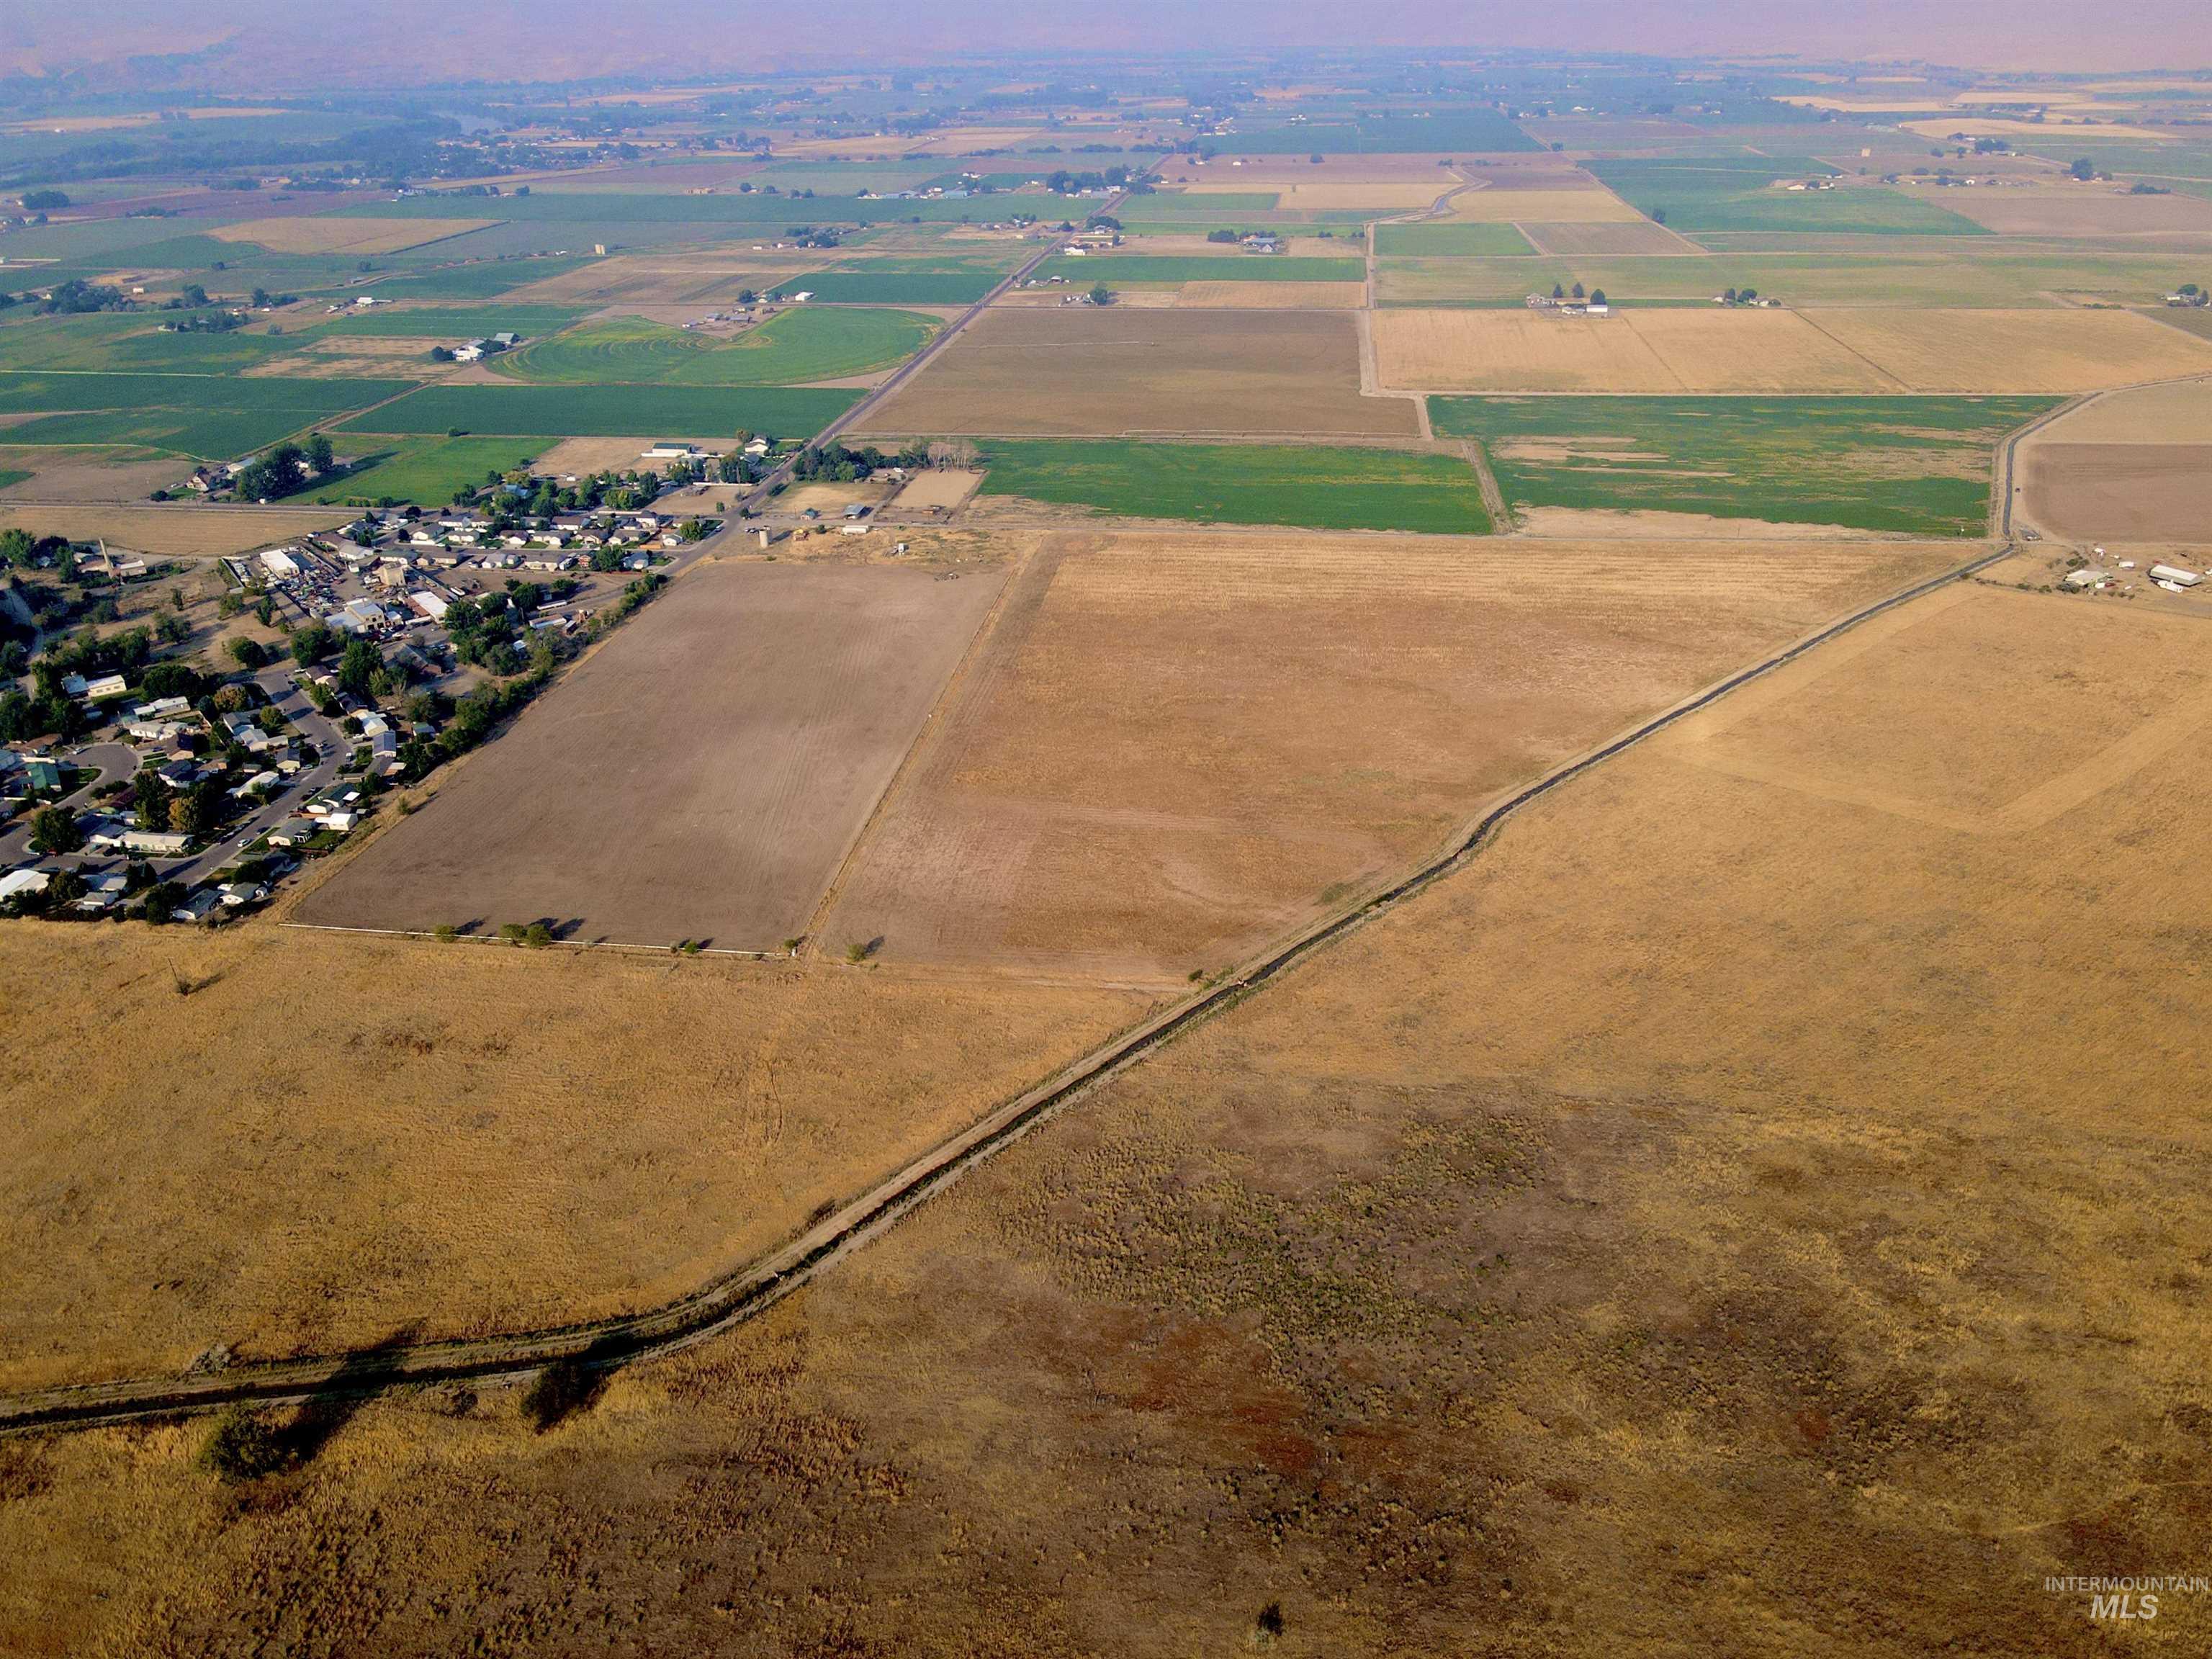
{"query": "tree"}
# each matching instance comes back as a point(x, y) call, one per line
point(1658, 216)
point(358, 666)
point(1558, 293)
point(248, 655)
point(44, 201)
point(1101, 294)
point(151, 795)
point(2083, 169)
point(311, 643)
point(319, 455)
point(54, 829)
point(276, 474)
point(1597, 296)
point(1577, 291)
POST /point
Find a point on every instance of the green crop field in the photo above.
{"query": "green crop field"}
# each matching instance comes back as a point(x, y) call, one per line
point(1450, 241)
point(454, 322)
point(901, 282)
point(127, 343)
point(1692, 197)
point(426, 470)
point(1920, 465)
point(587, 411)
point(797, 346)
point(616, 209)
point(1112, 268)
point(1240, 483)
point(210, 418)
point(482, 280)
point(10, 478)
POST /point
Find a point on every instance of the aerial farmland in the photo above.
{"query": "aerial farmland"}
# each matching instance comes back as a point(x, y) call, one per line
point(1054, 854)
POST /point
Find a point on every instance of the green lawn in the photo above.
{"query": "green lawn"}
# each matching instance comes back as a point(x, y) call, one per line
point(424, 470)
point(586, 411)
point(1740, 194)
point(1112, 268)
point(1450, 241)
point(1240, 483)
point(795, 346)
point(1919, 465)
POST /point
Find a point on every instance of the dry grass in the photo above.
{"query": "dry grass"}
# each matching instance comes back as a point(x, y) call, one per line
point(2179, 413)
point(1718, 1222)
point(1081, 371)
point(1090, 803)
point(332, 1137)
point(89, 475)
point(175, 533)
point(307, 235)
point(646, 279)
point(699, 778)
point(943, 487)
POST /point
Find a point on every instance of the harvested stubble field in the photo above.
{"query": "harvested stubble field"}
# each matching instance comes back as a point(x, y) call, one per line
point(1093, 802)
point(2016, 350)
point(173, 532)
point(1606, 240)
point(86, 475)
point(1664, 350)
point(1838, 350)
point(1593, 205)
point(1709, 1185)
point(699, 777)
point(1086, 372)
point(330, 1139)
point(301, 234)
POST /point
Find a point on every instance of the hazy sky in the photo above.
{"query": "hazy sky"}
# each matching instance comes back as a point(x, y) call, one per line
point(364, 41)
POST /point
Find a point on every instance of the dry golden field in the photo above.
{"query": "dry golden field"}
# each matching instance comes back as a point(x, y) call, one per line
point(1591, 204)
point(2179, 412)
point(174, 532)
point(302, 234)
point(1318, 190)
point(1725, 1219)
point(1081, 371)
point(332, 1137)
point(670, 279)
point(2019, 351)
point(1836, 349)
point(1174, 746)
point(944, 488)
point(1656, 351)
point(699, 778)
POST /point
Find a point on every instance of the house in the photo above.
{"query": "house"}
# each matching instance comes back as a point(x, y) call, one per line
point(428, 604)
point(279, 563)
point(107, 685)
point(18, 883)
point(472, 352)
point(43, 772)
point(162, 708)
point(240, 893)
point(199, 907)
point(156, 843)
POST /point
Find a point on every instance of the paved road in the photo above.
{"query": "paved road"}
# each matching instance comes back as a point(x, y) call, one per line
point(724, 1301)
point(117, 762)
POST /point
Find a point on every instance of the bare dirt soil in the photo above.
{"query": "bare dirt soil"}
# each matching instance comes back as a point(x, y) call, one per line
point(1087, 371)
point(1177, 744)
point(87, 475)
point(1720, 1220)
point(937, 487)
point(2114, 492)
point(2061, 211)
point(698, 778)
